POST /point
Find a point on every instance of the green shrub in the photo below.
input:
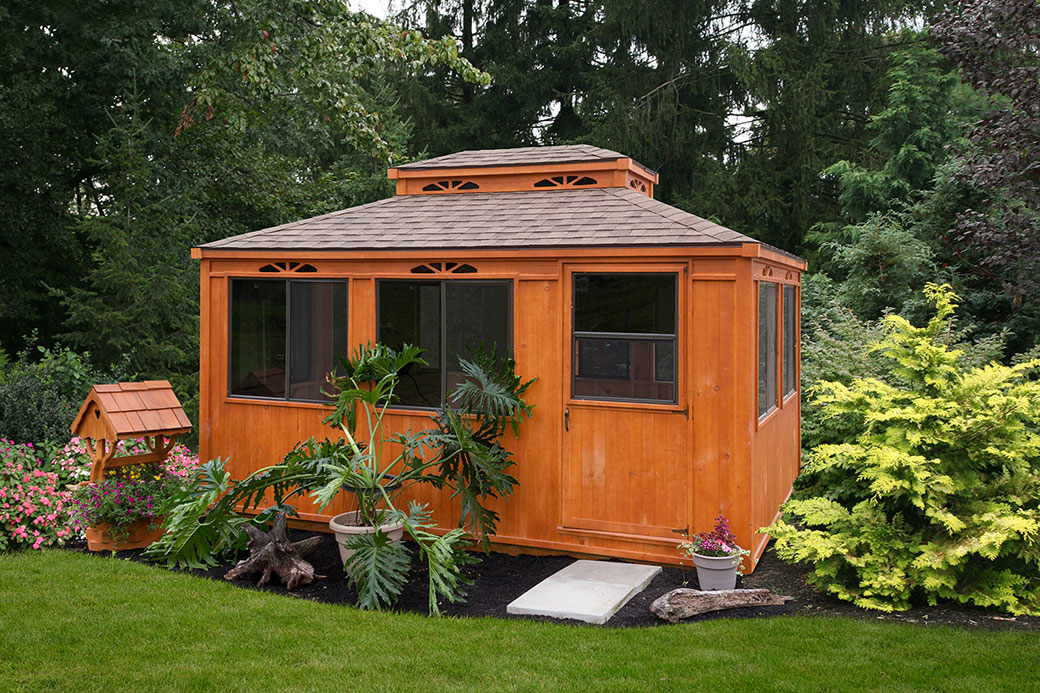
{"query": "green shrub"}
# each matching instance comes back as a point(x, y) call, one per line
point(40, 398)
point(936, 495)
point(838, 346)
point(835, 347)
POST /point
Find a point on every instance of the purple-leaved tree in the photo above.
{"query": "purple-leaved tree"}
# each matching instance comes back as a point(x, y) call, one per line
point(996, 44)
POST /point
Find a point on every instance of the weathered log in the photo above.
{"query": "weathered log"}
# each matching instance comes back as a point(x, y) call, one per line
point(272, 552)
point(683, 602)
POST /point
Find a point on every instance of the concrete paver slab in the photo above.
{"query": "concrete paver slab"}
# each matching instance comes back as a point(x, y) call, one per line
point(590, 591)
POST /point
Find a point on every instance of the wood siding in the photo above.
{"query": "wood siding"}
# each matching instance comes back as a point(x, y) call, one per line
point(603, 478)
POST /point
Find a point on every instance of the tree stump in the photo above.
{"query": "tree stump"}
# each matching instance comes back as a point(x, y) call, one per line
point(272, 552)
point(684, 603)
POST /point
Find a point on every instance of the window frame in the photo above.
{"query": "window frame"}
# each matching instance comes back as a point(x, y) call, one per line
point(633, 336)
point(287, 281)
point(794, 343)
point(777, 347)
point(427, 279)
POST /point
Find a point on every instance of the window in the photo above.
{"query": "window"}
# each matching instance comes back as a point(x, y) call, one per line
point(624, 337)
point(444, 318)
point(790, 339)
point(767, 299)
point(283, 336)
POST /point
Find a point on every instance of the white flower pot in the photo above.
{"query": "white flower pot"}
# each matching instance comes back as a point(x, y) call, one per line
point(717, 572)
point(344, 527)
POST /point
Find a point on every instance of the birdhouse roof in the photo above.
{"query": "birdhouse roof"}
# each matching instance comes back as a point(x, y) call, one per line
point(130, 410)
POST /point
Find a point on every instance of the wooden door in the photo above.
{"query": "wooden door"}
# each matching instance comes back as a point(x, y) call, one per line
point(625, 471)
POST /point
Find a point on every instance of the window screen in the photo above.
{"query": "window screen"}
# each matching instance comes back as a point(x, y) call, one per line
point(767, 346)
point(445, 319)
point(257, 338)
point(790, 339)
point(317, 331)
point(624, 337)
point(283, 337)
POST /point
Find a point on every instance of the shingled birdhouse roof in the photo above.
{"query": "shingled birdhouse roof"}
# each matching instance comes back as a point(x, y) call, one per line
point(131, 410)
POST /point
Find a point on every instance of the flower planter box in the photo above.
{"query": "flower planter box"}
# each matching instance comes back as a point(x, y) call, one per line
point(139, 535)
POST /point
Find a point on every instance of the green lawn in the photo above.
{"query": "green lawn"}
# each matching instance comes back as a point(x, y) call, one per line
point(77, 622)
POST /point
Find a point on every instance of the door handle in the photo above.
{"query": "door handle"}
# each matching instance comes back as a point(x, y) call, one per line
point(567, 419)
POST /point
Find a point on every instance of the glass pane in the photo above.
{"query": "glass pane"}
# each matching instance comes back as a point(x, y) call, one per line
point(257, 340)
point(624, 369)
point(317, 330)
point(790, 337)
point(632, 303)
point(767, 295)
point(476, 314)
point(410, 313)
point(664, 361)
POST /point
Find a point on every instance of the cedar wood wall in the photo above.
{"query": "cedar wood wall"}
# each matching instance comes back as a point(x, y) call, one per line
point(624, 476)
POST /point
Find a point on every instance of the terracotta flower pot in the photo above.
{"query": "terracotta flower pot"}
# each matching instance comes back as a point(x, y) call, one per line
point(344, 526)
point(717, 572)
point(139, 535)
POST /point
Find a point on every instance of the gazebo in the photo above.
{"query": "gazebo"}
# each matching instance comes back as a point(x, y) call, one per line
point(665, 345)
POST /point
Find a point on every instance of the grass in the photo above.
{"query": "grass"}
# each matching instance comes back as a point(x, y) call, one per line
point(78, 622)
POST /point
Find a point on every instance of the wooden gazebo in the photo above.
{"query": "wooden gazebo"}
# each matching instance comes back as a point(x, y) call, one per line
point(148, 410)
point(665, 345)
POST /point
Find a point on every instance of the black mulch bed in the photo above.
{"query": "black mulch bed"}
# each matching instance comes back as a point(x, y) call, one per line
point(500, 578)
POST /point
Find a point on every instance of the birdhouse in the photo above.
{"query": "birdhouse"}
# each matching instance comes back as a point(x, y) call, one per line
point(148, 410)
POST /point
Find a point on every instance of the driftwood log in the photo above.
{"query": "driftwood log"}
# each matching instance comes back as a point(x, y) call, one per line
point(684, 603)
point(272, 552)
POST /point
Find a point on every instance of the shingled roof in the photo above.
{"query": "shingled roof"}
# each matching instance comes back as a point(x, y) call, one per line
point(125, 410)
point(599, 217)
point(519, 156)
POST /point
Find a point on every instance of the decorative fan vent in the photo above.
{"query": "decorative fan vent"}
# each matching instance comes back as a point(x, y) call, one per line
point(637, 184)
point(444, 268)
point(448, 185)
point(565, 182)
point(288, 267)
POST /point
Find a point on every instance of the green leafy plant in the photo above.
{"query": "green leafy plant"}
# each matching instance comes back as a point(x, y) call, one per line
point(361, 466)
point(471, 459)
point(936, 494)
point(463, 454)
point(41, 392)
point(198, 527)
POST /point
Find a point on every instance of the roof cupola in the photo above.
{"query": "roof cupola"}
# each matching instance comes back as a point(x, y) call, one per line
point(568, 167)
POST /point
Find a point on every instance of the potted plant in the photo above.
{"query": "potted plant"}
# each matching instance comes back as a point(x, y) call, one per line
point(122, 510)
point(365, 514)
point(461, 452)
point(716, 556)
point(365, 389)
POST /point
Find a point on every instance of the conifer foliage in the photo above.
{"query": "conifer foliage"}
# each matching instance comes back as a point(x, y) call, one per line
point(939, 493)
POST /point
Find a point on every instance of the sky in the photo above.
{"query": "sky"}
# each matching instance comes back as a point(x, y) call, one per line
point(377, 8)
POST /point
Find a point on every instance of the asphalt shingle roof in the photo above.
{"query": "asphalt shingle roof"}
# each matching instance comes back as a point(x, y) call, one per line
point(593, 217)
point(519, 156)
